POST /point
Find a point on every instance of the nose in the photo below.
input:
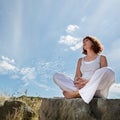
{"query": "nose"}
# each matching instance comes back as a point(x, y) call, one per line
point(83, 42)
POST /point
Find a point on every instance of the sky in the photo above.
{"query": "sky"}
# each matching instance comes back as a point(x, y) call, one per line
point(41, 37)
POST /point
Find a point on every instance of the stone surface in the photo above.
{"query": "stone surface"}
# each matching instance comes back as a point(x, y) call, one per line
point(15, 108)
point(77, 109)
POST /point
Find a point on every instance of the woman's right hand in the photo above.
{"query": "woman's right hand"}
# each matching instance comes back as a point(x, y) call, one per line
point(80, 82)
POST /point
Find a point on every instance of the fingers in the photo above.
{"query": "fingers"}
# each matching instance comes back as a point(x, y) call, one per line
point(77, 79)
point(76, 82)
point(80, 84)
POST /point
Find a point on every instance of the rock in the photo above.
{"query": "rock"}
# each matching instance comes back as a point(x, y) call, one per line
point(15, 109)
point(77, 109)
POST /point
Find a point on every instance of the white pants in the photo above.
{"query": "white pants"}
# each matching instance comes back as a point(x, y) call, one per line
point(98, 85)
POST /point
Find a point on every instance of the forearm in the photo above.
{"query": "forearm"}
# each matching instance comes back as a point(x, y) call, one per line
point(78, 72)
point(77, 77)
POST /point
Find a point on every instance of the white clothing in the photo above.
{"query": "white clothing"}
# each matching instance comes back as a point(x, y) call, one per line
point(98, 85)
point(100, 80)
point(88, 68)
point(64, 82)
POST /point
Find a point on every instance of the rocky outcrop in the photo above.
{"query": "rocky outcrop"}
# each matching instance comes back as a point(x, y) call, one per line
point(15, 110)
point(77, 109)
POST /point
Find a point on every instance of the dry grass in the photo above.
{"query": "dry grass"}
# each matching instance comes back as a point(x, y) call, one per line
point(33, 102)
point(17, 116)
point(3, 97)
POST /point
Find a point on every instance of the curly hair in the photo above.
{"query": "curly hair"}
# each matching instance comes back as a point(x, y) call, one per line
point(97, 47)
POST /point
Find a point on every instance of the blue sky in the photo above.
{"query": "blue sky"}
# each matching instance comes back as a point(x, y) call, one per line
point(40, 37)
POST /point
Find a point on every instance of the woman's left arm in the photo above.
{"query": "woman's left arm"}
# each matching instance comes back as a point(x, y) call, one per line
point(103, 61)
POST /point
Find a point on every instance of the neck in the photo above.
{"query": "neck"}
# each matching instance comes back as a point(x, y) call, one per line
point(91, 54)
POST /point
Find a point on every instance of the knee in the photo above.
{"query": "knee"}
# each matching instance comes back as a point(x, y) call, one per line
point(109, 71)
point(55, 77)
point(106, 70)
point(112, 74)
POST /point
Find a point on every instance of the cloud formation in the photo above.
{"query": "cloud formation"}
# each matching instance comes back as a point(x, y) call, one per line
point(115, 88)
point(7, 65)
point(30, 75)
point(72, 28)
point(114, 91)
point(74, 43)
point(68, 40)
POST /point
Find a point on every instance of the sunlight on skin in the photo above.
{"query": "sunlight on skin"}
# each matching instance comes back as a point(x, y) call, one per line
point(74, 94)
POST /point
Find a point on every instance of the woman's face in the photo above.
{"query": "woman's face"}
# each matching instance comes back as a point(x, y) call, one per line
point(87, 44)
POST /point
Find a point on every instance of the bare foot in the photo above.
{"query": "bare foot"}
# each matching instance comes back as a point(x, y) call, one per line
point(73, 94)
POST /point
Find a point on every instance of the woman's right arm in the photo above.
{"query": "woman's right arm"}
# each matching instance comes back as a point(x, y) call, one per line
point(78, 80)
point(78, 73)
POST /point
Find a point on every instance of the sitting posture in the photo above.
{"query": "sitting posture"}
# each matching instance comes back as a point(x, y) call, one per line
point(93, 77)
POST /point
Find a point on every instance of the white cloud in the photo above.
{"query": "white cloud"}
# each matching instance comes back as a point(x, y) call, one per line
point(31, 75)
point(72, 28)
point(28, 73)
point(114, 91)
point(7, 59)
point(115, 88)
point(112, 54)
point(7, 65)
point(73, 42)
point(76, 46)
point(68, 40)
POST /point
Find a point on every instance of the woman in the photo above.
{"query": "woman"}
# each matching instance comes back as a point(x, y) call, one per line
point(93, 76)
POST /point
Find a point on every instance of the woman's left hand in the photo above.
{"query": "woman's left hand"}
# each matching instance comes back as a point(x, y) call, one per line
point(80, 83)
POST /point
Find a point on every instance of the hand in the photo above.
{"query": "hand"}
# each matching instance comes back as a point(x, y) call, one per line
point(80, 83)
point(77, 79)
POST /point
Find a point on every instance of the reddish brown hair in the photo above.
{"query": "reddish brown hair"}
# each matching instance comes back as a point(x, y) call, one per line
point(96, 46)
